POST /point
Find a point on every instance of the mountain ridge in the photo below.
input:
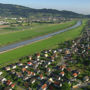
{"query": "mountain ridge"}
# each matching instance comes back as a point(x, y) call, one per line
point(11, 10)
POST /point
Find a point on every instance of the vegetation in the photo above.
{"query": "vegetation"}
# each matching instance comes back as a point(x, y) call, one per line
point(42, 29)
point(14, 55)
point(21, 11)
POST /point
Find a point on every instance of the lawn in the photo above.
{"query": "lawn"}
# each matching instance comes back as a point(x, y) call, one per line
point(11, 29)
point(14, 55)
point(40, 30)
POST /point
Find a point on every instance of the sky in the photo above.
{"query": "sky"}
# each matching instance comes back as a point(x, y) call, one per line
point(79, 6)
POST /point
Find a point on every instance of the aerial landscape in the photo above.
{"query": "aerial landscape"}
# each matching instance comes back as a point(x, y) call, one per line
point(44, 45)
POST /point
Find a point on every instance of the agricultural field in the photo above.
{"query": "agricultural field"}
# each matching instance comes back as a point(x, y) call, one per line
point(4, 29)
point(10, 35)
point(14, 55)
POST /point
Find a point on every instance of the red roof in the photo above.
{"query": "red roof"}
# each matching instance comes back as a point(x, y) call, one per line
point(29, 63)
point(41, 76)
point(75, 74)
point(8, 82)
point(62, 66)
point(23, 69)
point(57, 83)
point(13, 85)
point(33, 73)
point(38, 54)
point(29, 72)
point(61, 72)
point(44, 86)
point(68, 69)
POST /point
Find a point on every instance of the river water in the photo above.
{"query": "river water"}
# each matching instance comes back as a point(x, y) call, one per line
point(16, 45)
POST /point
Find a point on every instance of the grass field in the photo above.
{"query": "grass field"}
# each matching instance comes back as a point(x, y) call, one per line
point(11, 29)
point(8, 38)
point(14, 55)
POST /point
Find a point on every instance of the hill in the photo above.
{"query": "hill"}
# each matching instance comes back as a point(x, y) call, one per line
point(10, 10)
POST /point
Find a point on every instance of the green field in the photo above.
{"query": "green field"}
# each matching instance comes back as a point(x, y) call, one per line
point(14, 55)
point(38, 30)
point(12, 29)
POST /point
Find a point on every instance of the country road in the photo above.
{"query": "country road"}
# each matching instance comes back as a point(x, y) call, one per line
point(17, 45)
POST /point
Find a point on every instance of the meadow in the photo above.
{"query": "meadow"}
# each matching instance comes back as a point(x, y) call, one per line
point(22, 33)
point(14, 55)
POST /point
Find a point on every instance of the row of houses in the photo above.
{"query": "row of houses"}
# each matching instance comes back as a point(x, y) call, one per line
point(45, 70)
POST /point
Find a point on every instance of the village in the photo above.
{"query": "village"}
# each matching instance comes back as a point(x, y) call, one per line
point(53, 69)
point(28, 21)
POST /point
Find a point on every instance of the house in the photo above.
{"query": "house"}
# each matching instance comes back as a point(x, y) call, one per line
point(58, 77)
point(38, 59)
point(7, 68)
point(35, 66)
point(41, 77)
point(19, 74)
point(45, 51)
point(33, 74)
point(13, 72)
point(60, 50)
point(55, 55)
point(86, 78)
point(37, 71)
point(29, 73)
point(49, 50)
point(32, 81)
point(46, 55)
point(48, 62)
point(48, 70)
point(30, 88)
point(78, 71)
point(60, 85)
point(12, 85)
point(8, 82)
point(38, 55)
point(26, 66)
point(24, 69)
point(44, 87)
point(7, 88)
point(30, 57)
point(76, 86)
point(3, 79)
point(54, 51)
point(75, 74)
point(1, 72)
point(25, 78)
point(62, 73)
point(20, 64)
point(52, 58)
point(56, 83)
point(26, 84)
point(51, 80)
point(14, 66)
point(62, 67)
point(29, 64)
point(67, 52)
point(68, 69)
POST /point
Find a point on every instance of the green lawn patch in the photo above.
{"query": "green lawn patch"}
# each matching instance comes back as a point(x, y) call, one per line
point(40, 30)
point(14, 55)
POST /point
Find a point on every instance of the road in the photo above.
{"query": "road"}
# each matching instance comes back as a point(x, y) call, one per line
point(17, 45)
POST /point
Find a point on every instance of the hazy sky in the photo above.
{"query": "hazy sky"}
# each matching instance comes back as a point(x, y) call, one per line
point(80, 6)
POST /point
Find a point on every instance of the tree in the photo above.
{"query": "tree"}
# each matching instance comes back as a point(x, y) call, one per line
point(65, 86)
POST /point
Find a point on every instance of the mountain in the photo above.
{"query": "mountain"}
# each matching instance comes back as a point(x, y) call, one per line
point(10, 10)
